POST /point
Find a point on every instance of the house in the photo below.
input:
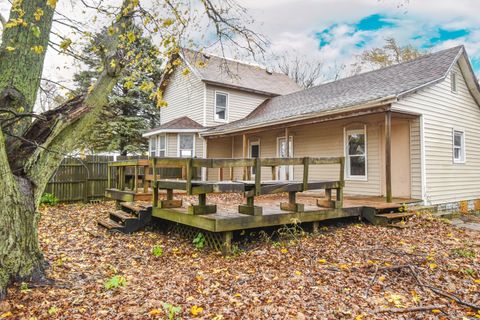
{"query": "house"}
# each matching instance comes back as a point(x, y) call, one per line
point(410, 130)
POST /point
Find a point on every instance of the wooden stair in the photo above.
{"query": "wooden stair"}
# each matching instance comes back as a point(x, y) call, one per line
point(386, 216)
point(132, 217)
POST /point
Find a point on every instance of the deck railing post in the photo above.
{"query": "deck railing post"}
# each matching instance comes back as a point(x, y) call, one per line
point(189, 173)
point(258, 175)
point(109, 178)
point(306, 163)
point(154, 183)
point(135, 180)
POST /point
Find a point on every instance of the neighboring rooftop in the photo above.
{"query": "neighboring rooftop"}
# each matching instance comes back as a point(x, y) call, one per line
point(231, 73)
point(387, 83)
point(179, 124)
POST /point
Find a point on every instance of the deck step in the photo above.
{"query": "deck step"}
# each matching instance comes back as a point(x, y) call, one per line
point(133, 207)
point(122, 215)
point(110, 224)
point(397, 215)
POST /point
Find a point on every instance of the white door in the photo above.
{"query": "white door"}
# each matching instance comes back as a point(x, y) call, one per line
point(285, 172)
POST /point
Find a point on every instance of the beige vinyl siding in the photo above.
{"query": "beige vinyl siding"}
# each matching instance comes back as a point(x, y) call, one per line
point(316, 140)
point(184, 95)
point(444, 111)
point(172, 145)
point(415, 159)
point(240, 103)
point(198, 146)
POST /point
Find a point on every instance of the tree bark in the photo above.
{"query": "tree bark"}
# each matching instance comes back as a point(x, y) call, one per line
point(37, 148)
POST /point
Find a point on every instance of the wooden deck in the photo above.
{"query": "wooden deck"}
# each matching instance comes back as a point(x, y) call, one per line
point(252, 212)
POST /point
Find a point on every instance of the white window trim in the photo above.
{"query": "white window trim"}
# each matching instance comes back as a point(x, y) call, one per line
point(157, 153)
point(345, 154)
point(153, 141)
point(178, 143)
point(215, 118)
point(453, 75)
point(464, 148)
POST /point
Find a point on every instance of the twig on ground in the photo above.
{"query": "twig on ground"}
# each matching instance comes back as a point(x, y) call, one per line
point(412, 309)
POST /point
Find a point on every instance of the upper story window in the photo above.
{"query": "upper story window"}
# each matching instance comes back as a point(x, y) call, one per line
point(221, 106)
point(458, 147)
point(186, 145)
point(453, 81)
point(162, 146)
point(356, 154)
point(152, 146)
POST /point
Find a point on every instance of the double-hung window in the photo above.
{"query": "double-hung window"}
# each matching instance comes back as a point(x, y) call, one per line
point(186, 143)
point(458, 147)
point(356, 154)
point(162, 146)
point(221, 106)
point(153, 146)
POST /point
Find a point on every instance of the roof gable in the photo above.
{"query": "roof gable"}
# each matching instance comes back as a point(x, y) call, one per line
point(378, 86)
point(239, 75)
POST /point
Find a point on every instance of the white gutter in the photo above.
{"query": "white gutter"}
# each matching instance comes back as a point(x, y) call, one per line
point(155, 132)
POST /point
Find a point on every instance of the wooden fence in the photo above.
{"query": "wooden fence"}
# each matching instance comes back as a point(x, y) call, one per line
point(80, 179)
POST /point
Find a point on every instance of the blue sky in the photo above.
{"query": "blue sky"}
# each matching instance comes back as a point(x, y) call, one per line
point(337, 31)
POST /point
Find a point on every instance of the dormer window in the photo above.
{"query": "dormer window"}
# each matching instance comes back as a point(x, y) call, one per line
point(453, 81)
point(221, 106)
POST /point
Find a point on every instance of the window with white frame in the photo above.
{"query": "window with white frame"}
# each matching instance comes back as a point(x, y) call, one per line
point(221, 106)
point(356, 154)
point(453, 81)
point(153, 146)
point(186, 145)
point(458, 147)
point(162, 145)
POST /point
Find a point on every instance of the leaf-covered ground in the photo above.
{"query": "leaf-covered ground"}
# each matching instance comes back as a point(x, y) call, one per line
point(347, 271)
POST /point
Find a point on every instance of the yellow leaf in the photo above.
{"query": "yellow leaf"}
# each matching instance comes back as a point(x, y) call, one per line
point(6, 315)
point(37, 49)
point(131, 36)
point(322, 261)
point(298, 273)
point(113, 64)
point(190, 298)
point(433, 265)
point(38, 14)
point(155, 312)
point(195, 310)
point(436, 311)
point(381, 278)
point(185, 71)
point(167, 22)
point(283, 250)
point(65, 44)
point(128, 84)
point(238, 295)
point(52, 3)
point(10, 49)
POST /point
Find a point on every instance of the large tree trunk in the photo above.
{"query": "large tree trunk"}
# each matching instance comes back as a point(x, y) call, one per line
point(35, 149)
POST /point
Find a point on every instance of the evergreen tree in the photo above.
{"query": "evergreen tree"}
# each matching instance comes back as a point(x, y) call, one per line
point(131, 108)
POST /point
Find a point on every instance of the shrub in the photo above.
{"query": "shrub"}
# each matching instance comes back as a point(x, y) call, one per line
point(115, 282)
point(49, 199)
point(157, 251)
point(199, 241)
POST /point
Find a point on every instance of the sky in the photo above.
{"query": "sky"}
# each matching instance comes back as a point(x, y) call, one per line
point(335, 32)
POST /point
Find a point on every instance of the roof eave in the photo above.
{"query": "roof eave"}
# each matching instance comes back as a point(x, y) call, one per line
point(231, 86)
point(366, 105)
point(159, 131)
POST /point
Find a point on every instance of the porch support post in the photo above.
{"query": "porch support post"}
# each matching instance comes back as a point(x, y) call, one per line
point(388, 155)
point(287, 153)
point(244, 155)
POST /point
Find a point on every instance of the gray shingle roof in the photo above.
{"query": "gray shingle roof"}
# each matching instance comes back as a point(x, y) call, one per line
point(363, 88)
point(178, 123)
point(236, 74)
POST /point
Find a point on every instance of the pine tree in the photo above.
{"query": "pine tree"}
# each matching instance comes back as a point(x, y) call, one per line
point(131, 108)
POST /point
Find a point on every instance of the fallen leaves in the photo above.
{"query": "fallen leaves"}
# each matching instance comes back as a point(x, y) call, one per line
point(323, 276)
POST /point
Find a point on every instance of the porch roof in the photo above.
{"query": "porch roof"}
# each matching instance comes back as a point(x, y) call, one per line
point(182, 124)
point(374, 88)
